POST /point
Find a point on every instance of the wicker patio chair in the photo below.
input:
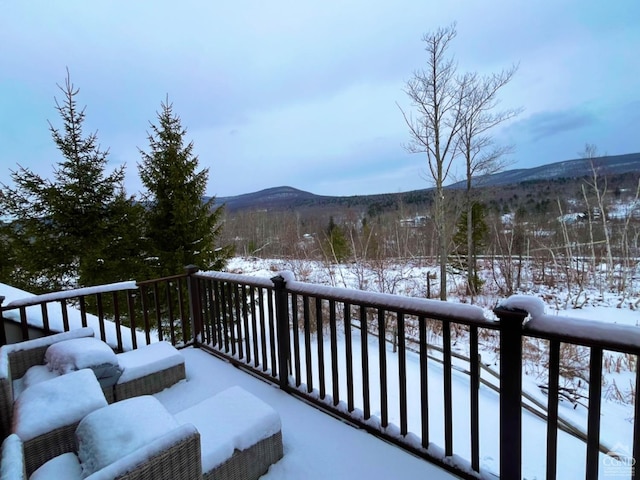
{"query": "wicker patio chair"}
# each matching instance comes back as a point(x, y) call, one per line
point(46, 415)
point(16, 359)
point(175, 456)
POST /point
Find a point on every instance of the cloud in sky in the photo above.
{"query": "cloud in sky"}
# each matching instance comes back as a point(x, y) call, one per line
point(305, 93)
point(546, 124)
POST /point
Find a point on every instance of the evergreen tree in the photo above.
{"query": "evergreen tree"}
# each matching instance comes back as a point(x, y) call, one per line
point(6, 252)
point(122, 257)
point(465, 258)
point(61, 228)
point(336, 245)
point(182, 229)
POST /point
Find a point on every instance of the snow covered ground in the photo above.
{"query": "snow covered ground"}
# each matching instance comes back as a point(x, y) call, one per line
point(316, 445)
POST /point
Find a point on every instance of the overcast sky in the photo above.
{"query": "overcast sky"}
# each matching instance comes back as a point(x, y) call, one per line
point(306, 93)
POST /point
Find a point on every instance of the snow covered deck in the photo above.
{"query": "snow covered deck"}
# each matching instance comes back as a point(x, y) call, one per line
point(316, 446)
point(344, 352)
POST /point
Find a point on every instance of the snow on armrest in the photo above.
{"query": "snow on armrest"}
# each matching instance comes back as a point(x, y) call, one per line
point(49, 340)
point(110, 433)
point(153, 449)
point(12, 466)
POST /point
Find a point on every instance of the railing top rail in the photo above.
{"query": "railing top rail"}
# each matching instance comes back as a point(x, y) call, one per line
point(66, 294)
point(435, 309)
point(591, 333)
point(160, 280)
point(579, 331)
point(237, 278)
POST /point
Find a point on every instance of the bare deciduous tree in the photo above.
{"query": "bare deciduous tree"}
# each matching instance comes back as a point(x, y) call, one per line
point(476, 144)
point(599, 186)
point(437, 93)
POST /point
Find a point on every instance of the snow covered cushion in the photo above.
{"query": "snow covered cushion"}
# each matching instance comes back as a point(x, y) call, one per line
point(149, 359)
point(56, 403)
point(34, 375)
point(119, 429)
point(64, 466)
point(78, 353)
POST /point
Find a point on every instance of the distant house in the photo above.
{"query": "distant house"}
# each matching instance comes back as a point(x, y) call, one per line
point(414, 222)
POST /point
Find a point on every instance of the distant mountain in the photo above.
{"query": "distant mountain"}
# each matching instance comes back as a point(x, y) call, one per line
point(609, 165)
point(280, 198)
point(270, 198)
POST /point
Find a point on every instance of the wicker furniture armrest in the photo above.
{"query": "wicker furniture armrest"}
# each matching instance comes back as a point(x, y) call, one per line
point(158, 461)
point(12, 466)
point(150, 384)
point(249, 464)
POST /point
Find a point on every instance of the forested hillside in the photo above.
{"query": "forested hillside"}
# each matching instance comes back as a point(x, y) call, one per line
point(579, 219)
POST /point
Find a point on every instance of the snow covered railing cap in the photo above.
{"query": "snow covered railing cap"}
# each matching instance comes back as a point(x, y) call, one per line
point(457, 312)
point(532, 306)
point(591, 333)
point(286, 275)
point(237, 278)
point(66, 294)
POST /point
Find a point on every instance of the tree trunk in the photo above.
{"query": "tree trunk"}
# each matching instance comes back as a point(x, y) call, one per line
point(442, 244)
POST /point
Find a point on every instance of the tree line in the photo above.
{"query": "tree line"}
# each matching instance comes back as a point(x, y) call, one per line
point(81, 228)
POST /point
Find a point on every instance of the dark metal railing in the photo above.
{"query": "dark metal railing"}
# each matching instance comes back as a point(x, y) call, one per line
point(335, 348)
point(125, 315)
point(297, 327)
point(366, 358)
